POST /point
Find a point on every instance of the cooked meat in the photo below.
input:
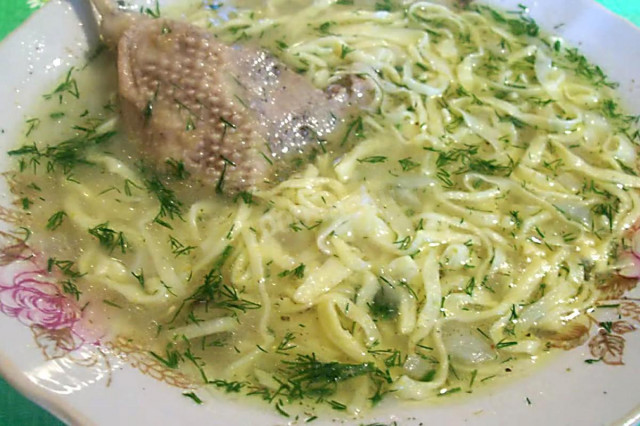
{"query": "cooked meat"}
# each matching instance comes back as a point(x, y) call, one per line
point(234, 115)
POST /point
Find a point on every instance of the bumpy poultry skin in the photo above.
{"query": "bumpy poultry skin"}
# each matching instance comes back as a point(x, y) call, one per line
point(234, 115)
point(177, 101)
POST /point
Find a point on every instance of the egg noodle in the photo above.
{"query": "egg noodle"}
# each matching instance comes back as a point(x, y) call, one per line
point(462, 225)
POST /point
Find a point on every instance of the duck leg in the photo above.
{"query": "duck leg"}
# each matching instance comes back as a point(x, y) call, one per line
point(233, 115)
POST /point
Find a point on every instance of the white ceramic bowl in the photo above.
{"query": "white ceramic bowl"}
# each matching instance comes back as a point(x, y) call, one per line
point(83, 383)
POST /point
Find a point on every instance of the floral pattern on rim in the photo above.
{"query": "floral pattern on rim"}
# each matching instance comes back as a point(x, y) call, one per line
point(608, 344)
point(623, 311)
point(34, 299)
point(56, 344)
point(139, 358)
point(31, 294)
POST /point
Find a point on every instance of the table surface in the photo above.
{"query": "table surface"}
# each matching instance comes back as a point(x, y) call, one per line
point(14, 408)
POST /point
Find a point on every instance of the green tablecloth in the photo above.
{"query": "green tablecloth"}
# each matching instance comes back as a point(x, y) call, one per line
point(15, 410)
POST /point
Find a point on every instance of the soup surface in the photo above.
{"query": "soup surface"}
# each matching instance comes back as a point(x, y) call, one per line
point(459, 228)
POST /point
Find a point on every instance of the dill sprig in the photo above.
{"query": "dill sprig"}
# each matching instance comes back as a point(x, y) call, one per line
point(68, 86)
point(458, 161)
point(245, 196)
point(285, 344)
point(55, 220)
point(215, 293)
point(178, 248)
point(153, 13)
point(66, 155)
point(355, 128)
point(306, 376)
point(608, 210)
point(109, 238)
point(373, 159)
point(521, 25)
point(408, 164)
point(33, 125)
point(297, 272)
point(590, 72)
point(229, 387)
point(177, 169)
point(66, 267)
point(383, 305)
point(170, 206)
point(172, 356)
point(193, 397)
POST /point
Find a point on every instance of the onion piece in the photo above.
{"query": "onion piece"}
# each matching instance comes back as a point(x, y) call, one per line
point(466, 345)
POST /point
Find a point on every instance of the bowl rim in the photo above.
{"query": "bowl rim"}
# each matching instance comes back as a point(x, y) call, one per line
point(64, 409)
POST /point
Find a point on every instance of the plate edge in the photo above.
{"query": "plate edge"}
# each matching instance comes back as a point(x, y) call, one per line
point(48, 400)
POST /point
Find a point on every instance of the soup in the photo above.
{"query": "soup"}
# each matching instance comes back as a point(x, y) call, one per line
point(461, 226)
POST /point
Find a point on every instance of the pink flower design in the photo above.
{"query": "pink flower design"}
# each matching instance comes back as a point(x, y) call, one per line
point(34, 299)
point(630, 265)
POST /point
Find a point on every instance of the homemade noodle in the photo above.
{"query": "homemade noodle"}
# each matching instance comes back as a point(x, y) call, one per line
point(461, 225)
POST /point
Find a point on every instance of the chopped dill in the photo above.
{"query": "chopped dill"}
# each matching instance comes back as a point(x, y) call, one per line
point(502, 344)
point(229, 387)
point(71, 288)
point(177, 169)
point(373, 159)
point(178, 248)
point(345, 50)
point(172, 357)
point(408, 164)
point(170, 206)
point(33, 124)
point(192, 396)
point(449, 391)
point(55, 220)
point(66, 155)
point(319, 378)
point(112, 304)
point(139, 277)
point(109, 238)
point(297, 272)
point(285, 344)
point(355, 128)
point(383, 306)
point(245, 196)
point(215, 293)
point(68, 86)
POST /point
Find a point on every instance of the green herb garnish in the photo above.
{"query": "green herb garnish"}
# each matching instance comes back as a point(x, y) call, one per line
point(109, 238)
point(193, 397)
